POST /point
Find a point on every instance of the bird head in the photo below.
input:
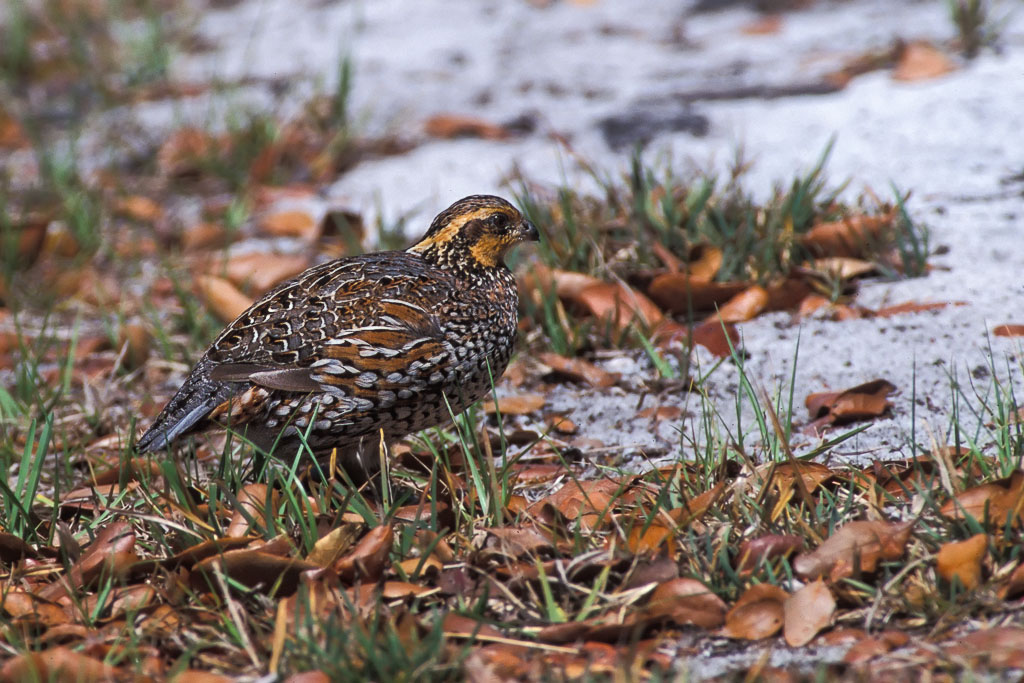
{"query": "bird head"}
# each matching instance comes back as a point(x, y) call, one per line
point(475, 232)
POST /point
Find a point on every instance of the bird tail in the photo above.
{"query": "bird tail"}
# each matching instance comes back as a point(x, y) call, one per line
point(185, 411)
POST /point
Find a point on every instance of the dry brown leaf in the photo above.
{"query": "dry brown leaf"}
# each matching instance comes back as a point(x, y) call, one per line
point(333, 544)
point(856, 403)
point(111, 554)
point(520, 404)
point(203, 235)
point(11, 134)
point(260, 271)
point(717, 337)
point(758, 613)
point(13, 549)
point(251, 568)
point(962, 560)
point(843, 267)
point(1013, 586)
point(852, 236)
point(589, 501)
point(448, 126)
point(222, 297)
point(784, 476)
point(658, 413)
point(578, 370)
point(135, 340)
point(744, 306)
point(253, 500)
point(758, 551)
point(25, 606)
point(812, 303)
point(183, 152)
point(616, 303)
point(1001, 647)
point(920, 61)
point(867, 649)
point(913, 307)
point(561, 424)
point(856, 546)
point(697, 506)
point(705, 262)
point(1008, 330)
point(619, 304)
point(58, 664)
point(415, 567)
point(765, 25)
point(997, 501)
point(652, 539)
point(201, 551)
point(138, 208)
point(516, 542)
point(308, 677)
point(396, 590)
point(461, 626)
point(808, 611)
point(295, 223)
point(788, 293)
point(686, 601)
point(368, 559)
point(681, 293)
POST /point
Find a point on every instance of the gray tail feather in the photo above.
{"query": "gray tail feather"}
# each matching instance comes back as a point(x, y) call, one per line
point(193, 402)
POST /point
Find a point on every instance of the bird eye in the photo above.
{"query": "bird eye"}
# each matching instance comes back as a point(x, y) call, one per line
point(499, 220)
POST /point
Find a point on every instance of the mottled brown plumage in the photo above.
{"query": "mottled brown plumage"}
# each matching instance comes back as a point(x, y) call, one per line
point(363, 345)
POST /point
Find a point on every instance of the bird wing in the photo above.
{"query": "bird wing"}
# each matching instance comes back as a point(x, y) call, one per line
point(355, 327)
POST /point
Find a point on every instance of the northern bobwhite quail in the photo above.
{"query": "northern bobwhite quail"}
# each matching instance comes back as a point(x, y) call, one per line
point(364, 346)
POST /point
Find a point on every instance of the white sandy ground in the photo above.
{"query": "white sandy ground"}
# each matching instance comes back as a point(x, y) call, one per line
point(952, 141)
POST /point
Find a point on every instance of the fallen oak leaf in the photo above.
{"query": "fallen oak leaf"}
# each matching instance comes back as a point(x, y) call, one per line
point(329, 547)
point(1001, 647)
point(853, 236)
point(255, 502)
point(744, 306)
point(855, 546)
point(961, 560)
point(757, 614)
point(807, 612)
point(294, 223)
point(998, 502)
point(686, 601)
point(913, 307)
point(58, 663)
point(259, 271)
point(856, 403)
point(138, 208)
point(111, 553)
point(254, 569)
point(682, 293)
point(519, 404)
point(368, 558)
point(578, 370)
point(26, 606)
point(222, 297)
point(920, 60)
point(758, 551)
point(1008, 330)
point(721, 339)
point(449, 126)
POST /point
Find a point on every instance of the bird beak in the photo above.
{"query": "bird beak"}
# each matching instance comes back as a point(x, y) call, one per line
point(528, 232)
